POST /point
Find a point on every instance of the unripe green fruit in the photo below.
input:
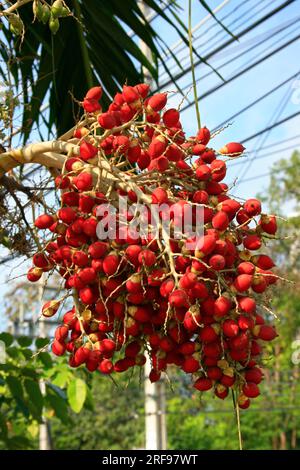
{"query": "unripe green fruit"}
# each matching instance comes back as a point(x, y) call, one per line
point(57, 8)
point(38, 10)
point(53, 25)
point(46, 14)
point(64, 12)
point(15, 24)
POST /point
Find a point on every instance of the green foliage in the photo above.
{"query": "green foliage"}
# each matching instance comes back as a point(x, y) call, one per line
point(22, 403)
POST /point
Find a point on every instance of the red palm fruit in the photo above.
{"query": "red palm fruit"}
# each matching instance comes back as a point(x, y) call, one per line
point(203, 135)
point(254, 375)
point(166, 344)
point(107, 346)
point(86, 204)
point(217, 262)
point(111, 263)
point(208, 156)
point(247, 304)
point(132, 349)
point(208, 306)
point(87, 275)
point(203, 172)
point(81, 355)
point(156, 276)
point(242, 217)
point(187, 348)
point(139, 313)
point(134, 284)
point(221, 391)
point(58, 348)
point(84, 182)
point(157, 102)
point(69, 319)
point(171, 117)
point(259, 284)
point(200, 197)
point(218, 170)
point(192, 320)
point(214, 188)
point(147, 258)
point(62, 182)
point(251, 390)
point(74, 164)
point(154, 376)
point(44, 221)
point(140, 360)
point(130, 94)
point(132, 253)
point(209, 334)
point(93, 361)
point(212, 350)
point(246, 268)
point(91, 106)
point(203, 384)
point(161, 163)
point(240, 342)
point(198, 149)
point(263, 261)
point(159, 196)
point(106, 366)
point(233, 149)
point(40, 260)
point(243, 282)
point(142, 89)
point(266, 332)
point(178, 298)
point(67, 215)
point(227, 380)
point(252, 207)
point(61, 333)
point(198, 291)
point(230, 328)
point(243, 402)
point(205, 245)
point(252, 242)
point(255, 348)
point(80, 132)
point(70, 198)
point(239, 355)
point(134, 151)
point(268, 224)
point(222, 306)
point(220, 221)
point(230, 206)
point(143, 160)
point(87, 150)
point(190, 365)
point(188, 281)
point(94, 93)
point(107, 120)
point(90, 226)
point(87, 296)
point(98, 249)
point(245, 323)
point(80, 258)
point(50, 308)
point(166, 287)
point(214, 373)
point(174, 153)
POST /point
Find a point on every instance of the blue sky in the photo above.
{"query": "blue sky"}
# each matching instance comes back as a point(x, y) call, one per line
point(231, 98)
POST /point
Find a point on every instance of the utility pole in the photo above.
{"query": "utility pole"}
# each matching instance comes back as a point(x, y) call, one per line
point(44, 430)
point(155, 402)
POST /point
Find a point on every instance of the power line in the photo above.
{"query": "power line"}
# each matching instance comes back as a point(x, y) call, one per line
point(253, 103)
point(229, 41)
point(233, 77)
point(183, 63)
point(264, 175)
point(266, 129)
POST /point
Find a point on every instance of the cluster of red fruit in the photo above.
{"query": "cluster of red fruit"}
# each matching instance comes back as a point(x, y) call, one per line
point(194, 308)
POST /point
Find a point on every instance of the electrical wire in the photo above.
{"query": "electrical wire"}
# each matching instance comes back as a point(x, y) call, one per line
point(229, 41)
